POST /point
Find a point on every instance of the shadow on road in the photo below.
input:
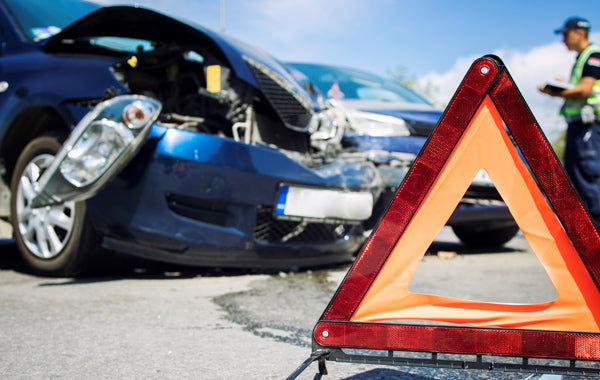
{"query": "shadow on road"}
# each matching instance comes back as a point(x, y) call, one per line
point(121, 267)
point(386, 373)
point(128, 267)
point(379, 373)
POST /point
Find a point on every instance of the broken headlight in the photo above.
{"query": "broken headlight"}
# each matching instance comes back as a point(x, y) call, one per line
point(100, 145)
point(373, 124)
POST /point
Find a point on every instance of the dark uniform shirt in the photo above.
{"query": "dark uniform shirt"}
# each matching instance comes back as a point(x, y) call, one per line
point(592, 66)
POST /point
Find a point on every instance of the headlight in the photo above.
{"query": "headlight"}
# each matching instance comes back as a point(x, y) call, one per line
point(96, 149)
point(100, 145)
point(372, 124)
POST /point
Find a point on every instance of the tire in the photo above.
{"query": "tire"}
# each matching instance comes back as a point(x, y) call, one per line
point(53, 240)
point(485, 235)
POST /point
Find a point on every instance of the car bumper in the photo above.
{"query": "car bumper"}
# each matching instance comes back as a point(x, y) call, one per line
point(197, 199)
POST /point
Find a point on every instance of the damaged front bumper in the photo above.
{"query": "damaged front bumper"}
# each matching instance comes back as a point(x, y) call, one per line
point(198, 199)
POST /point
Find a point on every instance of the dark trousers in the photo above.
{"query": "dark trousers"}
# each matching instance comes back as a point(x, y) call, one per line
point(582, 164)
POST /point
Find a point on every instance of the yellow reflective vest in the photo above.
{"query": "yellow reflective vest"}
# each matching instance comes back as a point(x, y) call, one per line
point(572, 107)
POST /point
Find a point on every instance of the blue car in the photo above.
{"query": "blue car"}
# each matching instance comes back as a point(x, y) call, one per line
point(122, 129)
point(390, 123)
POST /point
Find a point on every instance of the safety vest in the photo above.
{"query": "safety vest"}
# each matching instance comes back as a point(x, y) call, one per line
point(572, 107)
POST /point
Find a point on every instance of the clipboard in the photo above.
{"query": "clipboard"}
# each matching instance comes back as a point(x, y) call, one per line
point(557, 86)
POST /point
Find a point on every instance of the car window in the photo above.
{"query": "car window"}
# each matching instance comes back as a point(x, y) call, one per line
point(343, 83)
point(131, 45)
point(41, 19)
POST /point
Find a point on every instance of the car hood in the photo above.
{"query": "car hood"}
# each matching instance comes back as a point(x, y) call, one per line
point(421, 118)
point(141, 23)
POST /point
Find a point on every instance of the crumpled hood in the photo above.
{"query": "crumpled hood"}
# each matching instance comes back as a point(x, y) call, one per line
point(141, 23)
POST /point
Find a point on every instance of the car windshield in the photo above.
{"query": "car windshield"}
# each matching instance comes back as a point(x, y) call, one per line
point(344, 83)
point(131, 45)
point(41, 19)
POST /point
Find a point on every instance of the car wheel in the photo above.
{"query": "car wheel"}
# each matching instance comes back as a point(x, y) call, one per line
point(485, 235)
point(54, 240)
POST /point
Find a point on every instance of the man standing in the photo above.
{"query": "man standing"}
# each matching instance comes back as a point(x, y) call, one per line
point(582, 113)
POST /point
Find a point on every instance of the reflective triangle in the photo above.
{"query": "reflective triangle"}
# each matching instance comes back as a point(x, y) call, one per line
point(486, 145)
point(473, 134)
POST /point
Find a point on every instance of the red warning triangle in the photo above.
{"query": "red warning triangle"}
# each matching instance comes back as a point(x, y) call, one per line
point(487, 125)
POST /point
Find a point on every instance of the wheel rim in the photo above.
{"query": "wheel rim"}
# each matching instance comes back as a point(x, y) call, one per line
point(46, 230)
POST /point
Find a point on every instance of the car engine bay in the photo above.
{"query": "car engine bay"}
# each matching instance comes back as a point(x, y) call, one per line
point(200, 93)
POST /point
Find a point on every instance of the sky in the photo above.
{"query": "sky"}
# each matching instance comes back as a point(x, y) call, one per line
point(435, 41)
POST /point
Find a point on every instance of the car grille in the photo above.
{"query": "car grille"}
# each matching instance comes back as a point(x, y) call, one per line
point(271, 230)
point(288, 106)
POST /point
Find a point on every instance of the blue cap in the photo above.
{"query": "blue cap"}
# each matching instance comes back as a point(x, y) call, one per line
point(574, 23)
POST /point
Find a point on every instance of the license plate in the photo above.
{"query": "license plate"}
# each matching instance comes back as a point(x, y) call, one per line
point(315, 203)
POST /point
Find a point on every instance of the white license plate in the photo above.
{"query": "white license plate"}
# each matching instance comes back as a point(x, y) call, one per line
point(306, 202)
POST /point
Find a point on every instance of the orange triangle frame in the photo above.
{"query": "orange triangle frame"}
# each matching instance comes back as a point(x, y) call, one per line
point(473, 134)
point(486, 145)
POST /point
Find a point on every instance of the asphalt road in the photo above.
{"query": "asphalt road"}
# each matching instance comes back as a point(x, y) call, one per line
point(150, 321)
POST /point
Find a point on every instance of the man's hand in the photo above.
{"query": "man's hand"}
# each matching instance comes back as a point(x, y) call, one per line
point(581, 91)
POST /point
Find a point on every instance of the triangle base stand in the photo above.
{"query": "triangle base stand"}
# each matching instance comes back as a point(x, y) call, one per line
point(449, 361)
point(318, 355)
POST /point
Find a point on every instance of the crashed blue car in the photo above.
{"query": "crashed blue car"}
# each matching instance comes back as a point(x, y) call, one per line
point(122, 129)
point(390, 124)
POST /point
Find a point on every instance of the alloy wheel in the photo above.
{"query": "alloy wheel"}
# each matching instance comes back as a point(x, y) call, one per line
point(45, 230)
